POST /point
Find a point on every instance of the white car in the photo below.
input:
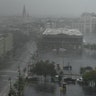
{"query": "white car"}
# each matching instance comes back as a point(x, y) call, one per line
point(80, 79)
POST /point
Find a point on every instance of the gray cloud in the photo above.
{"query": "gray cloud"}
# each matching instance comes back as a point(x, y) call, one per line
point(47, 7)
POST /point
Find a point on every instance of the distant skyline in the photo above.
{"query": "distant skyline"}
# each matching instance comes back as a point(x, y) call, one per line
point(62, 8)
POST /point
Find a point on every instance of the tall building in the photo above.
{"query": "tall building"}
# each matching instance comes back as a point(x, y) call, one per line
point(86, 23)
point(24, 11)
point(89, 20)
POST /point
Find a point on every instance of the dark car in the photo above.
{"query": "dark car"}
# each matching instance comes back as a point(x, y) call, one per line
point(70, 80)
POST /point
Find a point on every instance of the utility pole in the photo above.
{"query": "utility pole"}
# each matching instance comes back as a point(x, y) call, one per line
point(10, 82)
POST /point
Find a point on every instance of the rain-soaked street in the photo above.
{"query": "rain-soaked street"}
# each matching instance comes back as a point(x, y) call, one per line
point(76, 62)
point(72, 90)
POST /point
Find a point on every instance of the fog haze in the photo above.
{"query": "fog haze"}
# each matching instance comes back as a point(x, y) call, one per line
point(47, 7)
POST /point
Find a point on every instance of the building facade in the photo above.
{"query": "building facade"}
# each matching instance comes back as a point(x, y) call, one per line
point(86, 23)
point(6, 44)
point(68, 39)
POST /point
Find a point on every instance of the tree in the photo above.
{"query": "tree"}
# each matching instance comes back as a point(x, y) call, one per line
point(58, 67)
point(18, 87)
point(12, 92)
point(44, 68)
point(89, 76)
point(85, 69)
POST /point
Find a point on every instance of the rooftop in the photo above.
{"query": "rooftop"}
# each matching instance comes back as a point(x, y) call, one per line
point(56, 31)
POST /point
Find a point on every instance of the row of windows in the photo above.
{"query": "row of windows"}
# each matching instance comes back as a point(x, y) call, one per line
point(63, 40)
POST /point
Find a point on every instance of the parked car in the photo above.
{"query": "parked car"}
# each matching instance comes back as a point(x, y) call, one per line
point(80, 80)
point(32, 78)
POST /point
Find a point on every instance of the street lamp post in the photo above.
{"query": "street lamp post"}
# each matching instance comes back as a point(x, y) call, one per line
point(10, 91)
point(10, 82)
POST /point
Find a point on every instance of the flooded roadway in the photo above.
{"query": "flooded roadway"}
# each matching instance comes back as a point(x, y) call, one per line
point(76, 62)
point(72, 90)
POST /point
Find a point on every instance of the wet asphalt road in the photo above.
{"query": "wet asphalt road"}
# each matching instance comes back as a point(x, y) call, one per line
point(76, 62)
point(72, 90)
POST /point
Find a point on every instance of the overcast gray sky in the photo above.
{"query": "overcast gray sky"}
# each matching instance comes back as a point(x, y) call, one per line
point(47, 7)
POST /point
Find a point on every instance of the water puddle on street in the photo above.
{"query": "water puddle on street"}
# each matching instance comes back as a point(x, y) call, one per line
point(41, 90)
